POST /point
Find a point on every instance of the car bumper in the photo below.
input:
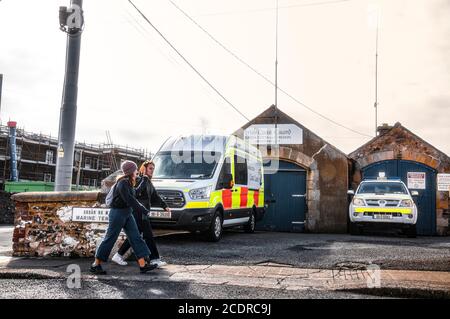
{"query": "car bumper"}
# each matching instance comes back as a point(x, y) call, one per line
point(198, 219)
point(398, 215)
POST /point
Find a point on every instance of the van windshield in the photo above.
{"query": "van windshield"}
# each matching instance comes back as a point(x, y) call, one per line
point(185, 165)
point(382, 188)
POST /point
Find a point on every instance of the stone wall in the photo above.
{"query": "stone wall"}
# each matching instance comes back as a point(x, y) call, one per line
point(398, 142)
point(327, 173)
point(43, 225)
point(6, 209)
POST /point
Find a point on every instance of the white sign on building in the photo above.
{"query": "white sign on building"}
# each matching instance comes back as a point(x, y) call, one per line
point(443, 181)
point(254, 174)
point(90, 214)
point(266, 134)
point(417, 180)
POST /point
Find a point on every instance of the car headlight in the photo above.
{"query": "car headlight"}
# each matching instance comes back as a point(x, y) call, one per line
point(358, 202)
point(406, 203)
point(200, 193)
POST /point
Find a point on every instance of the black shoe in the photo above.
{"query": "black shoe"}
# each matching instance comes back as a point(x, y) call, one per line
point(147, 267)
point(97, 270)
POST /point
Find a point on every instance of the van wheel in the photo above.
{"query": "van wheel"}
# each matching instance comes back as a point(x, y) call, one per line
point(214, 233)
point(250, 226)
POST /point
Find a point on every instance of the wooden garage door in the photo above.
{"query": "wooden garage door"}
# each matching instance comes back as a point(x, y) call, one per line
point(285, 193)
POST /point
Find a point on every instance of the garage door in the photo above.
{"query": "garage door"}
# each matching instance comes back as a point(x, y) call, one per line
point(424, 184)
point(285, 193)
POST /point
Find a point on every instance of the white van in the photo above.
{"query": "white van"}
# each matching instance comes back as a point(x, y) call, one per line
point(210, 183)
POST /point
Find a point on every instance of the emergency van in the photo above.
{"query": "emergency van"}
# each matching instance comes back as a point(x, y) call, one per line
point(210, 183)
point(383, 203)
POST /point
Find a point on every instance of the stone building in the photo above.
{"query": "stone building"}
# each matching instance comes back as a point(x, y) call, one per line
point(399, 152)
point(306, 188)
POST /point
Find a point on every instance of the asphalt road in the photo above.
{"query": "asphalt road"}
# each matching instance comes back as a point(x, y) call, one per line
point(238, 248)
point(309, 250)
point(323, 251)
point(99, 289)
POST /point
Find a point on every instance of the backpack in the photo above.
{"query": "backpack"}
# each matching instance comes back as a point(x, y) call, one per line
point(110, 196)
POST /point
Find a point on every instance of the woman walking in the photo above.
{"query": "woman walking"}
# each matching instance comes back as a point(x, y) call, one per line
point(147, 196)
point(120, 216)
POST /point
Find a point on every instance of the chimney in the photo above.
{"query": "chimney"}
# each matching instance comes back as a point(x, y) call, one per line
point(383, 129)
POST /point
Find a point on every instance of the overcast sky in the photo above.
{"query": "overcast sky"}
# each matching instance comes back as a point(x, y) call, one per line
point(132, 84)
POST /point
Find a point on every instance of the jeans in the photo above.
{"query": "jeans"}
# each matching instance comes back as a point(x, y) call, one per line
point(122, 218)
point(145, 228)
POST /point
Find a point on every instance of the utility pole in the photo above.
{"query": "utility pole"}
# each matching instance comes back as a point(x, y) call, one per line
point(71, 22)
point(1, 84)
point(13, 151)
point(376, 78)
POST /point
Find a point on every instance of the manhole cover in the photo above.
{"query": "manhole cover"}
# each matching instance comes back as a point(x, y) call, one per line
point(272, 264)
point(351, 265)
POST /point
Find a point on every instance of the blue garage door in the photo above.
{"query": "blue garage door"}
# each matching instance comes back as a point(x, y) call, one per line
point(285, 193)
point(426, 201)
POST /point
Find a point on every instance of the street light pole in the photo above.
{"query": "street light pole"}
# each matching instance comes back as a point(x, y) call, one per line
point(71, 22)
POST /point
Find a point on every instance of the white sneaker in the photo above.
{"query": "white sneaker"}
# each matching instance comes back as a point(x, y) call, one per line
point(119, 260)
point(158, 262)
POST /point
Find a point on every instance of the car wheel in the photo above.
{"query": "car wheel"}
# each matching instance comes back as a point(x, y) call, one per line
point(411, 232)
point(355, 229)
point(214, 233)
point(250, 226)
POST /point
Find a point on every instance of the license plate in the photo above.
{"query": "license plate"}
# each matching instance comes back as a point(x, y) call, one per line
point(382, 216)
point(160, 214)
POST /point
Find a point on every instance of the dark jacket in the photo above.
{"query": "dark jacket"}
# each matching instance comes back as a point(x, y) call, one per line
point(125, 196)
point(147, 194)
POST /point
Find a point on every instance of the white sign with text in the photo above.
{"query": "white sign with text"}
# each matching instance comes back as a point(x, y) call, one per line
point(90, 214)
point(417, 180)
point(266, 134)
point(443, 181)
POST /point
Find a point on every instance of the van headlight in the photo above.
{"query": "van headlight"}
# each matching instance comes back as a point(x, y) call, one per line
point(200, 193)
point(406, 203)
point(358, 202)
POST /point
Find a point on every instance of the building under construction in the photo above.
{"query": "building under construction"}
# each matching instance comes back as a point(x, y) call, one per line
point(36, 158)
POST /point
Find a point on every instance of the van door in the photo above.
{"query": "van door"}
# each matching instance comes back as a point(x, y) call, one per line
point(239, 192)
point(226, 192)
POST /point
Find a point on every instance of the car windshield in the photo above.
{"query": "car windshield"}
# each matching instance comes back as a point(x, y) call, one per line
point(185, 165)
point(382, 188)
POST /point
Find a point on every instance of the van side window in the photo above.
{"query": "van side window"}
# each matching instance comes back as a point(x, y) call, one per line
point(226, 169)
point(240, 170)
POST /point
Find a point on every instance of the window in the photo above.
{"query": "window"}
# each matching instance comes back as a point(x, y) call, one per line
point(189, 165)
point(87, 162)
point(93, 182)
point(49, 156)
point(382, 188)
point(240, 170)
point(47, 177)
point(18, 152)
point(95, 163)
point(226, 169)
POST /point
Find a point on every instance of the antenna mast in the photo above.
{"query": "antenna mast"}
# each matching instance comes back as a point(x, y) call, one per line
point(276, 58)
point(276, 76)
point(376, 78)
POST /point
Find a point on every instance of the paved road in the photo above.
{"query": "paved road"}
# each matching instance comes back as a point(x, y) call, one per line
point(309, 250)
point(56, 288)
point(313, 251)
point(320, 251)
